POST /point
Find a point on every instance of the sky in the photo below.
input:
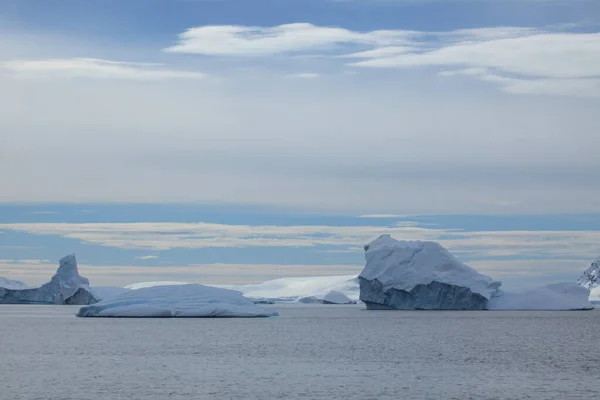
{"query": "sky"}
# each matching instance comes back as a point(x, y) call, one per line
point(251, 117)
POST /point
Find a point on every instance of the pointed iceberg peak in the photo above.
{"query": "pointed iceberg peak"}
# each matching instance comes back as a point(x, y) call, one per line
point(68, 273)
point(591, 277)
point(65, 287)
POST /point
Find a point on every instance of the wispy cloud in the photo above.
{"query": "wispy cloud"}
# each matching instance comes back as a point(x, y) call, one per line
point(305, 75)
point(581, 245)
point(232, 40)
point(147, 257)
point(521, 60)
point(94, 68)
point(377, 216)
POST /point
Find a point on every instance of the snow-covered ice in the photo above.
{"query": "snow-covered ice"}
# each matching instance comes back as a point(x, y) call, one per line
point(191, 300)
point(558, 296)
point(143, 285)
point(335, 297)
point(591, 277)
point(421, 275)
point(12, 284)
point(294, 289)
point(65, 287)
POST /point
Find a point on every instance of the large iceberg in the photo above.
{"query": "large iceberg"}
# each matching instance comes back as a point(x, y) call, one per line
point(557, 296)
point(184, 301)
point(65, 287)
point(409, 275)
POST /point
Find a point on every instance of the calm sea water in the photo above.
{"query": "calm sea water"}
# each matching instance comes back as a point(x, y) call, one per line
point(309, 352)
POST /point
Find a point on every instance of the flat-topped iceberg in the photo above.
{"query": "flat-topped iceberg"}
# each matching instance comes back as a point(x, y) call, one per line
point(65, 287)
point(408, 275)
point(184, 301)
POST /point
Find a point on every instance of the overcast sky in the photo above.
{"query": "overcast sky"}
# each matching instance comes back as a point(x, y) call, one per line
point(383, 106)
point(283, 121)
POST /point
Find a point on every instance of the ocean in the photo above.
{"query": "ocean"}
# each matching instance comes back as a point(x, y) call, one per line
point(308, 352)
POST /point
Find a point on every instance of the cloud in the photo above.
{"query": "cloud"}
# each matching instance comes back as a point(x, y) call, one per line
point(230, 40)
point(384, 216)
point(390, 142)
point(93, 68)
point(147, 257)
point(519, 61)
point(305, 75)
point(122, 275)
point(160, 236)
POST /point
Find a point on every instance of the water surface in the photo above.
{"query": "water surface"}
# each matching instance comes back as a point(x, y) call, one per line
point(309, 352)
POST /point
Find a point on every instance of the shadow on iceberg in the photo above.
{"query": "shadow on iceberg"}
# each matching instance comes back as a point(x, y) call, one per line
point(66, 287)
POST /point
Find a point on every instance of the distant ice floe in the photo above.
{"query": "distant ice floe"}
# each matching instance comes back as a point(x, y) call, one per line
point(558, 296)
point(183, 301)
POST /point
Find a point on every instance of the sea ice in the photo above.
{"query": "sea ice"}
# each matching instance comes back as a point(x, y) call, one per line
point(421, 275)
point(289, 290)
point(191, 300)
point(65, 287)
point(557, 296)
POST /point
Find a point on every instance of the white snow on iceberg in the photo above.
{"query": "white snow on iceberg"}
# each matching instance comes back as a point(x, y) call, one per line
point(335, 297)
point(184, 301)
point(421, 275)
point(12, 284)
point(143, 285)
point(591, 277)
point(294, 289)
point(554, 297)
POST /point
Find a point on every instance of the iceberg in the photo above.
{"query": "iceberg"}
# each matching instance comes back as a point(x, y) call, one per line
point(183, 301)
point(591, 276)
point(409, 275)
point(301, 289)
point(65, 287)
point(335, 297)
point(554, 297)
point(12, 284)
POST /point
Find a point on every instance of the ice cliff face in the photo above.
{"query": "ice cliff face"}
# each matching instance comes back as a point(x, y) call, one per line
point(65, 287)
point(408, 275)
point(591, 277)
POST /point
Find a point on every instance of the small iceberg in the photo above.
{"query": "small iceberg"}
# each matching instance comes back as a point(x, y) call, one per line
point(335, 297)
point(182, 301)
